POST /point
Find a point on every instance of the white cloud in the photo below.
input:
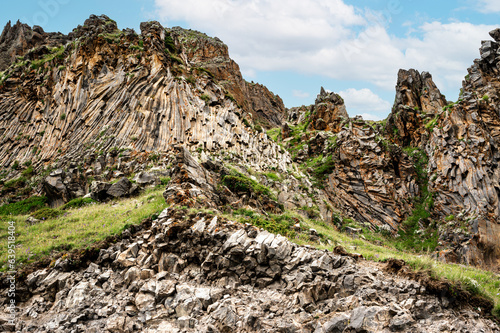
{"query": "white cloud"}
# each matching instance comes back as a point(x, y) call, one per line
point(364, 101)
point(445, 50)
point(331, 38)
point(488, 6)
point(368, 116)
point(300, 94)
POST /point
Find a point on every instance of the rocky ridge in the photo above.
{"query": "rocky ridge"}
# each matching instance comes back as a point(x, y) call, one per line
point(108, 97)
point(428, 152)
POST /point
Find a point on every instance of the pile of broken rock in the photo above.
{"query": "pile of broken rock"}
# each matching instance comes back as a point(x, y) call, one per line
point(201, 273)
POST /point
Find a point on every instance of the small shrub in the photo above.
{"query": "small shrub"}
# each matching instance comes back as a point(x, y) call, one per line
point(272, 176)
point(18, 182)
point(15, 165)
point(485, 98)
point(205, 97)
point(449, 218)
point(154, 157)
point(164, 181)
point(27, 172)
point(176, 59)
point(63, 116)
point(23, 207)
point(169, 44)
point(274, 134)
point(78, 202)
point(46, 213)
point(241, 183)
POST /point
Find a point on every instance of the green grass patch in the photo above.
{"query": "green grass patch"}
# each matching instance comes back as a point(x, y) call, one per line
point(273, 176)
point(245, 184)
point(277, 224)
point(274, 134)
point(78, 227)
point(321, 168)
point(238, 182)
point(27, 172)
point(56, 52)
point(46, 213)
point(169, 43)
point(432, 123)
point(23, 207)
point(18, 182)
point(77, 203)
point(412, 236)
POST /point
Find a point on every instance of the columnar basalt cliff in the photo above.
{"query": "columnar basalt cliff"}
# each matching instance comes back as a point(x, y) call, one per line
point(111, 88)
point(463, 151)
point(417, 99)
point(104, 113)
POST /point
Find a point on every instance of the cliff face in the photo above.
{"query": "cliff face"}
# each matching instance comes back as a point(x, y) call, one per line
point(81, 113)
point(464, 163)
point(417, 100)
point(109, 89)
point(428, 155)
point(212, 54)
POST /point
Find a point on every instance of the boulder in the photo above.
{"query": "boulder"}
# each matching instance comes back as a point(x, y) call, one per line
point(99, 190)
point(55, 190)
point(120, 189)
point(147, 178)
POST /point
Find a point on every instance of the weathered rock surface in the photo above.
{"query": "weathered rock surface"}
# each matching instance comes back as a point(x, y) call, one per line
point(464, 168)
point(206, 274)
point(371, 182)
point(17, 39)
point(328, 112)
point(142, 100)
point(211, 54)
point(417, 101)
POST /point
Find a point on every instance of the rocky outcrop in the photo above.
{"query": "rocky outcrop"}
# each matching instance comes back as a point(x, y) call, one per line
point(114, 100)
point(464, 169)
point(211, 56)
point(417, 102)
point(328, 112)
point(200, 273)
point(17, 39)
point(372, 182)
point(365, 177)
point(192, 184)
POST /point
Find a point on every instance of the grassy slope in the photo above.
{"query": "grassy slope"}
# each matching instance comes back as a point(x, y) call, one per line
point(78, 227)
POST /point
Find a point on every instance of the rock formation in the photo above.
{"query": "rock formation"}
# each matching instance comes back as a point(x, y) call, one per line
point(103, 112)
point(198, 273)
point(328, 112)
point(110, 91)
point(417, 101)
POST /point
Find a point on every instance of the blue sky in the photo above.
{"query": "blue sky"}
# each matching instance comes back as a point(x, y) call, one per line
point(352, 47)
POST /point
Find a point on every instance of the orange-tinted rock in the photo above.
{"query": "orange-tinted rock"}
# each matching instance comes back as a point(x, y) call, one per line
point(417, 101)
point(328, 112)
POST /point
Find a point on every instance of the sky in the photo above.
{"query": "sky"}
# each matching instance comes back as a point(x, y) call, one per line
point(294, 47)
